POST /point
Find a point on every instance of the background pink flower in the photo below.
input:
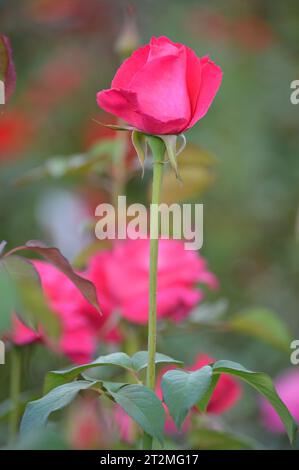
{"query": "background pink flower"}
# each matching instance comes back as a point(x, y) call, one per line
point(81, 324)
point(125, 425)
point(121, 277)
point(224, 397)
point(127, 273)
point(22, 334)
point(88, 426)
point(287, 386)
point(227, 391)
point(163, 88)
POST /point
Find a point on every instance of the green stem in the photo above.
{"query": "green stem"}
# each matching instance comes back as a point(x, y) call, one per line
point(15, 385)
point(131, 345)
point(158, 150)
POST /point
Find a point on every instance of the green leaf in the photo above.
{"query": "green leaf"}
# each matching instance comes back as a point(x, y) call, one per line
point(264, 385)
point(170, 142)
point(59, 377)
point(37, 412)
point(140, 145)
point(113, 387)
point(7, 406)
point(41, 439)
point(29, 303)
point(197, 172)
point(263, 324)
point(82, 258)
point(140, 360)
point(182, 390)
point(120, 359)
point(8, 299)
point(212, 439)
point(143, 405)
point(97, 157)
point(55, 257)
point(204, 401)
point(208, 313)
point(102, 148)
point(115, 127)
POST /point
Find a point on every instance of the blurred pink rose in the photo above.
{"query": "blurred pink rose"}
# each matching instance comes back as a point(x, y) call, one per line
point(88, 426)
point(227, 391)
point(121, 277)
point(163, 88)
point(225, 395)
point(22, 334)
point(287, 386)
point(127, 274)
point(81, 324)
point(125, 425)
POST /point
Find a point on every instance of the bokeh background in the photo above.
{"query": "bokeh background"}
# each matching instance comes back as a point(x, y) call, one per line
point(64, 52)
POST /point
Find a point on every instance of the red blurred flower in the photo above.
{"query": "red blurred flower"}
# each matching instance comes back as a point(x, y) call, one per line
point(250, 32)
point(253, 33)
point(16, 133)
point(71, 15)
point(58, 79)
point(163, 88)
point(202, 21)
point(51, 11)
point(127, 273)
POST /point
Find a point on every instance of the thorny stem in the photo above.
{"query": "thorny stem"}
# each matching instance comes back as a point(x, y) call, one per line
point(158, 150)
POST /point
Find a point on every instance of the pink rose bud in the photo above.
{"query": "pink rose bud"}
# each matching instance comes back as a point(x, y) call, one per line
point(163, 88)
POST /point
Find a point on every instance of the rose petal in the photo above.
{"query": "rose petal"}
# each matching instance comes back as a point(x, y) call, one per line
point(193, 77)
point(211, 77)
point(129, 67)
point(123, 103)
point(161, 86)
point(162, 46)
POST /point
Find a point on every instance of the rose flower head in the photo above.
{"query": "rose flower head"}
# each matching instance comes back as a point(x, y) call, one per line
point(163, 88)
